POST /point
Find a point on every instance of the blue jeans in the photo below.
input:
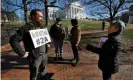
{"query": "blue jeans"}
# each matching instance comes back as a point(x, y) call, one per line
point(58, 47)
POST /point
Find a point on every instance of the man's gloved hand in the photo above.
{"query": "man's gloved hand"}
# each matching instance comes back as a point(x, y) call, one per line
point(26, 55)
point(88, 46)
point(48, 45)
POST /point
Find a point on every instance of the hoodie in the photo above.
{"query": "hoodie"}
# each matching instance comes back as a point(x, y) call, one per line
point(22, 34)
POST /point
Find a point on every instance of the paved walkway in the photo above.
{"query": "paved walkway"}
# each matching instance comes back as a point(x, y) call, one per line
point(15, 68)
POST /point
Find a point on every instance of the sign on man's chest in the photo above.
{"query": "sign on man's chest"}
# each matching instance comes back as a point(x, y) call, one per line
point(40, 37)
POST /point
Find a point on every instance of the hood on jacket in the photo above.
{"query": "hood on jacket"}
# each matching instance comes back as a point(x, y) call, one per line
point(120, 25)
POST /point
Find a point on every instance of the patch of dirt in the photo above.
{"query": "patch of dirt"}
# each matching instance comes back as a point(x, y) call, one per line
point(126, 56)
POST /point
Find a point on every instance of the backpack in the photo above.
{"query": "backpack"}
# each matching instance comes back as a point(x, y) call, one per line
point(57, 32)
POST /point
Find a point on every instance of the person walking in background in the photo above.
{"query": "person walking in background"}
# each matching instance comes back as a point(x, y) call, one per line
point(75, 39)
point(103, 25)
point(37, 56)
point(109, 51)
point(57, 33)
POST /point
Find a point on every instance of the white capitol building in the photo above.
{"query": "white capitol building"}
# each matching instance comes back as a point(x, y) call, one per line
point(74, 10)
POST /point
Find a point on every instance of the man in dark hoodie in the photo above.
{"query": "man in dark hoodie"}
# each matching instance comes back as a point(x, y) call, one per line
point(57, 33)
point(37, 56)
point(108, 53)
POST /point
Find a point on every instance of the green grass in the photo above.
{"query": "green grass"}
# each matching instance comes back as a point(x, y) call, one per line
point(92, 39)
point(85, 25)
point(13, 24)
point(90, 25)
point(128, 34)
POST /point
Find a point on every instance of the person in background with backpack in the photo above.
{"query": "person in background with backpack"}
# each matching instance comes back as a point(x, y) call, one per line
point(57, 33)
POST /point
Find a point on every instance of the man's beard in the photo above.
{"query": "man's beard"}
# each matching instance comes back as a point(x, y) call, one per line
point(39, 23)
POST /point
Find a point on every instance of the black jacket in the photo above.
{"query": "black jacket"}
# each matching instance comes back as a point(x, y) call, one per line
point(22, 34)
point(57, 32)
point(108, 53)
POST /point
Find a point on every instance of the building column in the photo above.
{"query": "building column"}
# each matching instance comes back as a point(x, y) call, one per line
point(80, 11)
point(130, 21)
point(71, 12)
point(77, 9)
point(74, 12)
point(67, 13)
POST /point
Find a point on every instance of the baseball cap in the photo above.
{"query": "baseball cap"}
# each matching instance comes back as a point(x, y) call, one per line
point(58, 19)
point(74, 21)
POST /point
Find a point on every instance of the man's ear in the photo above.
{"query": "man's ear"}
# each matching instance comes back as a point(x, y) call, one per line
point(117, 29)
point(32, 17)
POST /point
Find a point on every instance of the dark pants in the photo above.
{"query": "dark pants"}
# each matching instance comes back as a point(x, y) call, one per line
point(37, 66)
point(106, 76)
point(58, 47)
point(103, 27)
point(75, 51)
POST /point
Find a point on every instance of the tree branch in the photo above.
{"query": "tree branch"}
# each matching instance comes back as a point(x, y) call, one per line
point(10, 3)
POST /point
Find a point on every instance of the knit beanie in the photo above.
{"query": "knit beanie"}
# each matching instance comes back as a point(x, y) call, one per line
point(120, 25)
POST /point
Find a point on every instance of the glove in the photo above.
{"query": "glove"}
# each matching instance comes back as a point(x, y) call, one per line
point(88, 46)
point(26, 55)
point(48, 45)
point(80, 48)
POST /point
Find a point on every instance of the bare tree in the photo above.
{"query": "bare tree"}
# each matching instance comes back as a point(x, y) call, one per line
point(63, 4)
point(26, 5)
point(18, 4)
point(107, 8)
point(53, 4)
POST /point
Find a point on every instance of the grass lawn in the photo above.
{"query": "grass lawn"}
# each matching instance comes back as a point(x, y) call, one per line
point(13, 24)
point(85, 25)
point(91, 39)
point(94, 38)
point(128, 34)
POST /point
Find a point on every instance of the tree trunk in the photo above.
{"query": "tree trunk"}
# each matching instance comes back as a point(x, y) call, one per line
point(25, 11)
point(111, 19)
point(46, 12)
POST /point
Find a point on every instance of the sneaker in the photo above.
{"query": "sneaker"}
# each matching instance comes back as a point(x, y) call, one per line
point(44, 77)
point(56, 58)
point(76, 64)
point(60, 58)
point(73, 59)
